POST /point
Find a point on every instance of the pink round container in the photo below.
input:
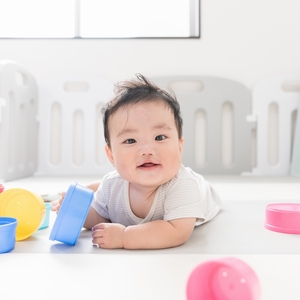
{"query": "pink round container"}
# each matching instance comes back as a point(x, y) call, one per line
point(1, 188)
point(227, 278)
point(283, 217)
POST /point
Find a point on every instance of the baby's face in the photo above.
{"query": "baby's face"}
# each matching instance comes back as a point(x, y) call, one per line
point(145, 148)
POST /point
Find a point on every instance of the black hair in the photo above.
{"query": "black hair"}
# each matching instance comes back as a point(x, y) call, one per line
point(137, 90)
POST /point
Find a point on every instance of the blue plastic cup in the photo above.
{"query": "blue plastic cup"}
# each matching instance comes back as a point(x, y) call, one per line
point(7, 233)
point(47, 219)
point(72, 214)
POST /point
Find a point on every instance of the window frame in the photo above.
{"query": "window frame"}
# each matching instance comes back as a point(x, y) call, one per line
point(195, 28)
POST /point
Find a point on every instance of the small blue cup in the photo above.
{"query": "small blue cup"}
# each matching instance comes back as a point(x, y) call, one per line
point(7, 233)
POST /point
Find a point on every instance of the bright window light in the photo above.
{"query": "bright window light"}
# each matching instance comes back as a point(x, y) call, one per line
point(155, 18)
point(37, 18)
point(99, 18)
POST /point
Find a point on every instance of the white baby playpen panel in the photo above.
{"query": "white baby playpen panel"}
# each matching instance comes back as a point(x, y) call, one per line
point(214, 111)
point(71, 138)
point(295, 166)
point(18, 122)
point(274, 103)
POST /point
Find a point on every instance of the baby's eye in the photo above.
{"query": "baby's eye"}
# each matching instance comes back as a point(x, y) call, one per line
point(160, 137)
point(130, 141)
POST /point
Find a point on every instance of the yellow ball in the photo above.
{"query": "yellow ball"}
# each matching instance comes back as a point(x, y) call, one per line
point(28, 208)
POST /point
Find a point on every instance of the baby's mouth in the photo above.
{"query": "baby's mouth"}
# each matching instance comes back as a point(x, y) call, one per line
point(148, 164)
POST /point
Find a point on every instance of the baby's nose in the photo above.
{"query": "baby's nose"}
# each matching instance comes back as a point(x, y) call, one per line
point(147, 149)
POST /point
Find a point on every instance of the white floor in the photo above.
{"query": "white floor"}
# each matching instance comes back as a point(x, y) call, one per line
point(42, 269)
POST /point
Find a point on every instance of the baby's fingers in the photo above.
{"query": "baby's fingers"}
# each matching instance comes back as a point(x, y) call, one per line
point(98, 226)
point(55, 205)
point(62, 197)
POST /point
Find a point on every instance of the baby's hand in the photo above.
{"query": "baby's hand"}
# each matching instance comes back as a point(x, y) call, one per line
point(108, 235)
point(55, 205)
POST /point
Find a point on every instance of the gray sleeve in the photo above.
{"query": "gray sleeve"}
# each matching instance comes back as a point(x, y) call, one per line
point(183, 200)
point(192, 198)
point(100, 202)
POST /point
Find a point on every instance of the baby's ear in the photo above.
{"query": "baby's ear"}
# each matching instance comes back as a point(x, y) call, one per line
point(181, 144)
point(109, 154)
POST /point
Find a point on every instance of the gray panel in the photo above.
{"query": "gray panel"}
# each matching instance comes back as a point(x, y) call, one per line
point(18, 121)
point(210, 94)
point(295, 166)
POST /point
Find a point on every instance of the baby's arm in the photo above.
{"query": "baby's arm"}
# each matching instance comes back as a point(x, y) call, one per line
point(152, 235)
point(94, 185)
point(93, 218)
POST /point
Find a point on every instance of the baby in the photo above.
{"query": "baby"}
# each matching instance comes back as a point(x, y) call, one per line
point(151, 200)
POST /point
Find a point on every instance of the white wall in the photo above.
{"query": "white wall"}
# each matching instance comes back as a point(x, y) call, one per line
point(243, 40)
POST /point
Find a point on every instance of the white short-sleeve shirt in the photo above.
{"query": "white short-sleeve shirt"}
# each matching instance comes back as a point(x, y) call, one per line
point(188, 194)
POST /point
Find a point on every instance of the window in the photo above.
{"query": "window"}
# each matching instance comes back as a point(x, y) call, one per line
point(99, 18)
